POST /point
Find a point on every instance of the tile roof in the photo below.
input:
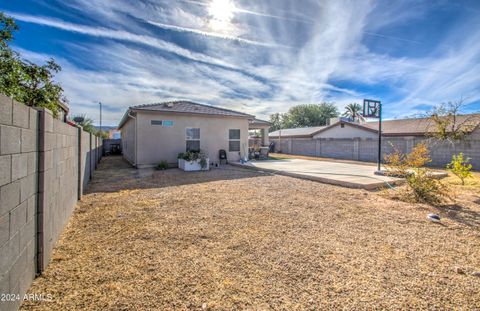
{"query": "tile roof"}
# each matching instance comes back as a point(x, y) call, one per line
point(401, 127)
point(419, 126)
point(297, 132)
point(258, 122)
point(183, 106)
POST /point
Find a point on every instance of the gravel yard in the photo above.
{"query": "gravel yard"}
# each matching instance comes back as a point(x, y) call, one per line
point(238, 239)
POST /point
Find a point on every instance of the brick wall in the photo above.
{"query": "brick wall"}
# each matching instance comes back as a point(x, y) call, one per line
point(366, 149)
point(43, 164)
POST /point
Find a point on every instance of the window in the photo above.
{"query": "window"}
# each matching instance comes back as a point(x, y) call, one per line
point(234, 134)
point(342, 125)
point(233, 140)
point(192, 137)
point(162, 122)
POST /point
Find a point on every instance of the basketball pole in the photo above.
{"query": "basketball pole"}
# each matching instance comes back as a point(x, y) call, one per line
point(379, 136)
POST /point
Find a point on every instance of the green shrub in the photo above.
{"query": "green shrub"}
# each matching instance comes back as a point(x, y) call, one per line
point(163, 165)
point(421, 185)
point(460, 167)
point(423, 188)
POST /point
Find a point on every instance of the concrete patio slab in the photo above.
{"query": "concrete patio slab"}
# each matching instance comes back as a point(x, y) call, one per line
point(342, 174)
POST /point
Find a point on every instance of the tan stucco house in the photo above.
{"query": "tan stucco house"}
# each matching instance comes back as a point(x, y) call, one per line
point(158, 132)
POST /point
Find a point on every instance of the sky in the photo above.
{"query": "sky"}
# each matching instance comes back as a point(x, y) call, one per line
point(258, 57)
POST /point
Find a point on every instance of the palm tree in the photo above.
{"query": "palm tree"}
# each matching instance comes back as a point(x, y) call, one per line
point(353, 111)
point(86, 123)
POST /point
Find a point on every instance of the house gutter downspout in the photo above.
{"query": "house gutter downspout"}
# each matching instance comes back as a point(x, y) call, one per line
point(136, 136)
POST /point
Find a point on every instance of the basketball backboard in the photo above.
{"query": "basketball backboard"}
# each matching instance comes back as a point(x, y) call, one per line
point(371, 108)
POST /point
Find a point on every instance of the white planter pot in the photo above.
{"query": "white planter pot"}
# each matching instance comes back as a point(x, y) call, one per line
point(193, 165)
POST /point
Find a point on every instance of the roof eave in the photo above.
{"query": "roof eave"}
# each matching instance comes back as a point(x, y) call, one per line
point(248, 116)
point(291, 136)
point(124, 119)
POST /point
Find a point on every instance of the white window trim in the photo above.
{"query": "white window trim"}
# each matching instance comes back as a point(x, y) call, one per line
point(193, 139)
point(239, 140)
point(199, 133)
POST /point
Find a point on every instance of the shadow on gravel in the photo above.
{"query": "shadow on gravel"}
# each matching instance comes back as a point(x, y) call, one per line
point(461, 214)
point(115, 174)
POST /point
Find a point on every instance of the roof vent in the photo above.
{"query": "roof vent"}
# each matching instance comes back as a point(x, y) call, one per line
point(169, 105)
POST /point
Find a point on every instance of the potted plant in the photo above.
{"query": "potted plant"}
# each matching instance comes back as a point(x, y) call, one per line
point(193, 161)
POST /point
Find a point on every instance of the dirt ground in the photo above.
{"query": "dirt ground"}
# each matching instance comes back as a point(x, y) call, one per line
point(238, 239)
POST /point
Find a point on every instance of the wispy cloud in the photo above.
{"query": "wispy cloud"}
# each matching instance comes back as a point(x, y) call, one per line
point(214, 35)
point(344, 51)
point(119, 35)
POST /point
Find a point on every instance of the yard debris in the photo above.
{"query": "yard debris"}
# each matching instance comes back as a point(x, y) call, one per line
point(433, 217)
point(234, 239)
point(459, 270)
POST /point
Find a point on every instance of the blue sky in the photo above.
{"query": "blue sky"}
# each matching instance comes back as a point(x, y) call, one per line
point(259, 57)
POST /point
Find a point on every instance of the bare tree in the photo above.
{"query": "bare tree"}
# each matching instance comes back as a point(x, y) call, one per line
point(450, 124)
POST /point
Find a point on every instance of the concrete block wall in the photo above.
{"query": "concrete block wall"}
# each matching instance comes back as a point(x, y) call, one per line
point(337, 148)
point(367, 149)
point(59, 179)
point(85, 159)
point(304, 147)
point(18, 184)
point(41, 161)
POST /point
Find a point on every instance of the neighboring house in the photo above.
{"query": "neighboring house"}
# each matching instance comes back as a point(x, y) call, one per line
point(340, 129)
point(63, 111)
point(158, 132)
point(113, 132)
point(359, 141)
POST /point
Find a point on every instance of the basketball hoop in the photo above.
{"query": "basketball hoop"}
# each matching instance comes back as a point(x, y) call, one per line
point(371, 108)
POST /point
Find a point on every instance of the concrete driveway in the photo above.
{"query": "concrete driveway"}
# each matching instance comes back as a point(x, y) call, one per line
point(343, 174)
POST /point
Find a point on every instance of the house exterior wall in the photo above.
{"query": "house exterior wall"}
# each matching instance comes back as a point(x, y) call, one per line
point(128, 140)
point(346, 132)
point(156, 142)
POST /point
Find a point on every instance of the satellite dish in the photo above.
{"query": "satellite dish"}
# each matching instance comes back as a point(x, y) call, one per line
point(78, 119)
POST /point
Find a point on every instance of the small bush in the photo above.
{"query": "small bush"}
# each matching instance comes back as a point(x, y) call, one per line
point(460, 167)
point(163, 165)
point(426, 189)
point(422, 187)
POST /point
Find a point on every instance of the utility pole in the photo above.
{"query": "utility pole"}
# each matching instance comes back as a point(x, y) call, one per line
point(101, 131)
point(280, 140)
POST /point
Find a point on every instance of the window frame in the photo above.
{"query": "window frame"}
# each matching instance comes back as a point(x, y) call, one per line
point(234, 140)
point(164, 123)
point(189, 138)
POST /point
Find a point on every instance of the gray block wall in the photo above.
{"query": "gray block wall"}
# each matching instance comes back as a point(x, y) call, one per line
point(58, 179)
point(367, 149)
point(18, 192)
point(42, 164)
